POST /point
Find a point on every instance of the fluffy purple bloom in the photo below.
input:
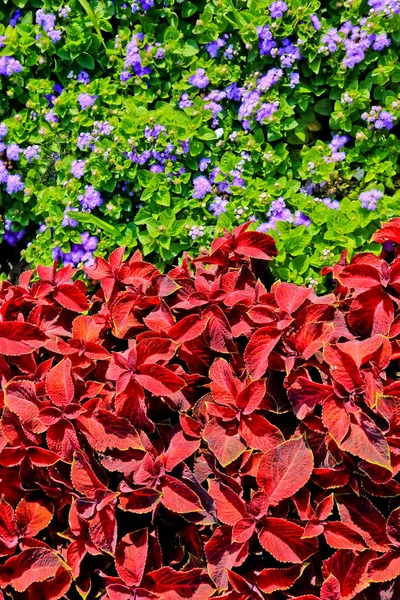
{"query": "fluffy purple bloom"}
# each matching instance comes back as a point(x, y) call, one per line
point(213, 47)
point(277, 9)
point(184, 101)
point(46, 20)
point(133, 58)
point(91, 199)
point(218, 206)
point(3, 172)
point(77, 168)
point(199, 79)
point(378, 118)
point(338, 141)
point(380, 42)
point(50, 117)
point(14, 184)
point(15, 17)
point(294, 79)
point(196, 232)
point(13, 151)
point(389, 7)
point(315, 22)
point(331, 39)
point(202, 187)
point(288, 53)
point(266, 41)
point(271, 78)
point(89, 242)
point(250, 100)
point(369, 199)
point(233, 92)
point(125, 76)
point(55, 35)
point(12, 237)
point(301, 219)
point(9, 66)
point(203, 164)
point(83, 77)
point(229, 52)
point(86, 100)
point(143, 5)
point(67, 221)
point(266, 111)
point(84, 141)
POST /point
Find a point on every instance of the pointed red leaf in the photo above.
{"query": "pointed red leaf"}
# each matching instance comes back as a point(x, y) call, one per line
point(222, 554)
point(340, 536)
point(362, 516)
point(290, 297)
point(274, 580)
point(385, 568)
point(284, 470)
point(32, 516)
point(140, 501)
point(178, 497)
point(83, 478)
point(59, 383)
point(225, 444)
point(188, 328)
point(350, 569)
point(131, 555)
point(254, 244)
point(30, 566)
point(283, 539)
point(159, 380)
point(229, 507)
point(330, 589)
point(258, 433)
point(257, 352)
point(365, 440)
point(18, 338)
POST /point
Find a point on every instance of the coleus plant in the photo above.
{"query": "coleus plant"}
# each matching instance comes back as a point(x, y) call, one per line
point(201, 433)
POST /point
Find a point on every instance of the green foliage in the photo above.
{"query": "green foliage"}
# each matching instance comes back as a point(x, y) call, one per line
point(287, 155)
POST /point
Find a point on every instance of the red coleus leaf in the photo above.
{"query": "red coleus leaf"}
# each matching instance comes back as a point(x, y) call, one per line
point(290, 297)
point(159, 380)
point(273, 580)
point(229, 507)
point(222, 554)
point(340, 536)
point(32, 516)
point(361, 515)
point(18, 338)
point(285, 469)
point(225, 444)
point(385, 567)
point(59, 383)
point(372, 312)
point(30, 566)
point(330, 589)
point(259, 349)
point(178, 497)
point(130, 557)
point(351, 571)
point(71, 297)
point(173, 585)
point(284, 540)
point(83, 478)
point(365, 440)
point(105, 430)
point(253, 244)
point(140, 501)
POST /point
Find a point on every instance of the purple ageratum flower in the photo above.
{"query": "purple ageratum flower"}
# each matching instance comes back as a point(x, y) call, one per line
point(143, 5)
point(203, 164)
point(271, 78)
point(331, 39)
point(301, 219)
point(15, 17)
point(14, 184)
point(294, 79)
point(55, 35)
point(84, 141)
point(46, 20)
point(338, 141)
point(288, 53)
point(3, 172)
point(12, 237)
point(369, 199)
point(218, 206)
point(86, 100)
point(228, 54)
point(13, 151)
point(378, 118)
point(50, 117)
point(9, 66)
point(199, 79)
point(125, 76)
point(32, 153)
point(277, 9)
point(202, 187)
point(233, 92)
point(315, 22)
point(389, 7)
point(77, 168)
point(83, 77)
point(67, 221)
point(266, 111)
point(266, 41)
point(213, 47)
point(196, 232)
point(91, 199)
point(380, 42)
point(184, 101)
point(250, 100)
point(89, 242)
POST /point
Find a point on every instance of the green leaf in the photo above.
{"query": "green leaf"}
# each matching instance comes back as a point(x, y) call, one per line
point(86, 61)
point(89, 11)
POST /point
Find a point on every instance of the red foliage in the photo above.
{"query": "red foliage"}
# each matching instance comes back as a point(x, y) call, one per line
point(195, 434)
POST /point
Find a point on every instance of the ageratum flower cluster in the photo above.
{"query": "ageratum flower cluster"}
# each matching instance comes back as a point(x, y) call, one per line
point(158, 125)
